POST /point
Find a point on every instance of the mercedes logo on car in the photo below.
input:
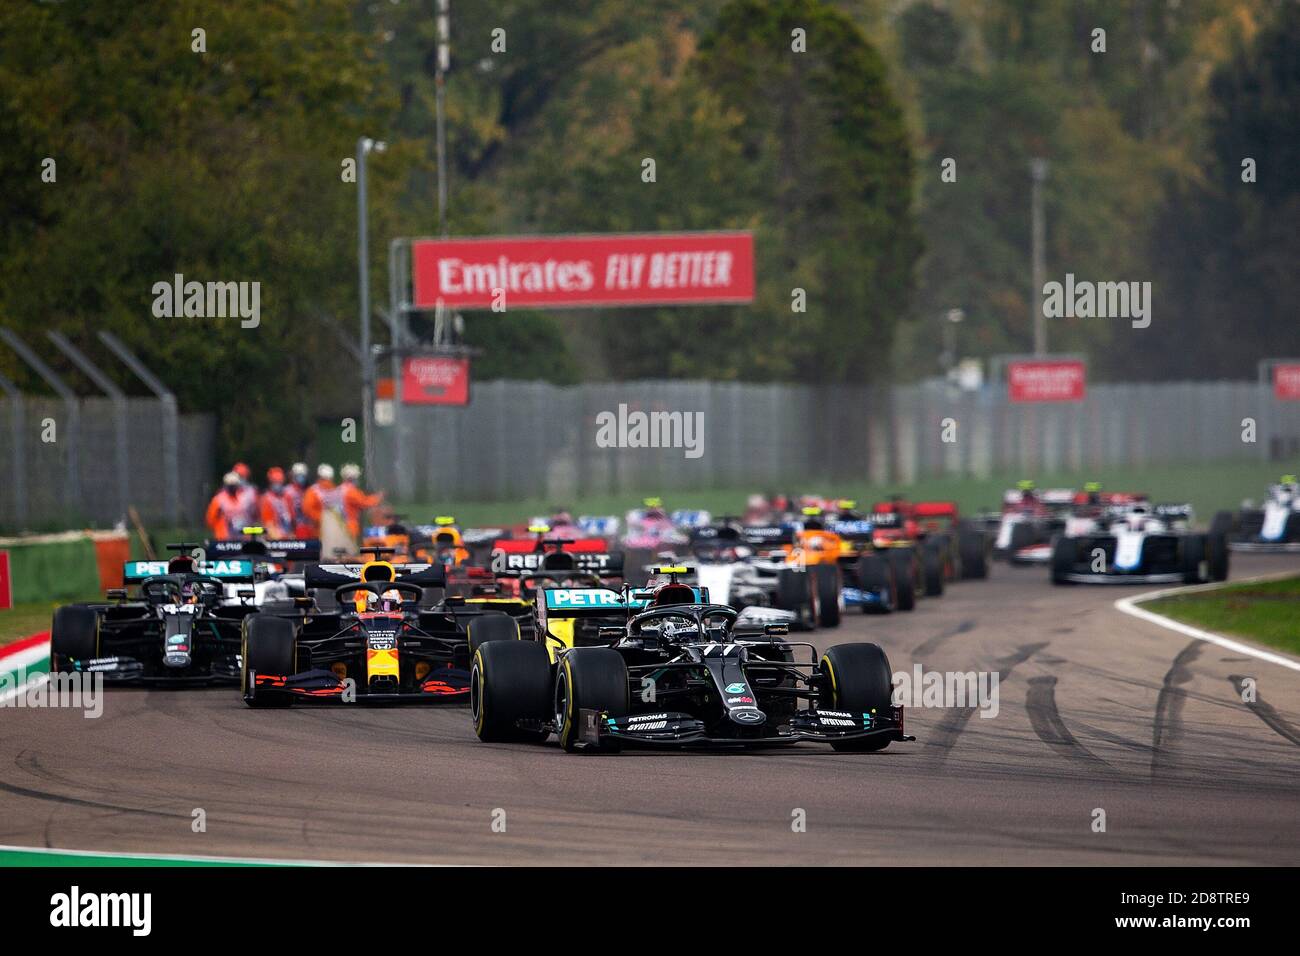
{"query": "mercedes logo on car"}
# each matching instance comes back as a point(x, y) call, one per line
point(748, 715)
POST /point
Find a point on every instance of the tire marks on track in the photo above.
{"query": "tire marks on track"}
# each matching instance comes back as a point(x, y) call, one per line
point(1167, 728)
point(1045, 719)
point(1265, 711)
point(930, 645)
point(954, 721)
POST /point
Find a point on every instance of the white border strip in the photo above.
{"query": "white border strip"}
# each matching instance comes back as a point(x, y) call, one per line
point(181, 858)
point(1129, 606)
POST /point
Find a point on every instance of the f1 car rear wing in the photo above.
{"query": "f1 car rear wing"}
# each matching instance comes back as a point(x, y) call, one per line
point(227, 569)
point(585, 554)
point(281, 549)
point(770, 535)
point(337, 575)
point(684, 518)
point(1180, 511)
point(599, 526)
point(602, 602)
point(857, 529)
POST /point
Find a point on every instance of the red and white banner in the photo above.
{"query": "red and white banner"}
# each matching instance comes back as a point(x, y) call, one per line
point(1061, 380)
point(1286, 382)
point(435, 380)
point(6, 583)
point(560, 272)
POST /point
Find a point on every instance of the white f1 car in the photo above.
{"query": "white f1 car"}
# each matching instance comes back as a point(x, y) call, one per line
point(1275, 527)
point(1136, 543)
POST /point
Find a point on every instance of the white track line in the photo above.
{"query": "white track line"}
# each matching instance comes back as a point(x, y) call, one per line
point(1129, 606)
point(183, 858)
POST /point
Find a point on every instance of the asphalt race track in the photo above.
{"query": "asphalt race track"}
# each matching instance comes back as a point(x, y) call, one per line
point(1097, 710)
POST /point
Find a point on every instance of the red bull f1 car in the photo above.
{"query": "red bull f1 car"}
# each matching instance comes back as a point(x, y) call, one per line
point(377, 632)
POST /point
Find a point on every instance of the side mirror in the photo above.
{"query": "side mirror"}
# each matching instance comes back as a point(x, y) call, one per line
point(246, 594)
point(116, 594)
point(776, 630)
point(610, 632)
point(303, 602)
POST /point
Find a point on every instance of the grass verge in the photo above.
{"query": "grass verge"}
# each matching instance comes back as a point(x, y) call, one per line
point(1267, 612)
point(1209, 486)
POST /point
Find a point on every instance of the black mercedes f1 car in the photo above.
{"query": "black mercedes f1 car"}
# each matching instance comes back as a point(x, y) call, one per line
point(667, 668)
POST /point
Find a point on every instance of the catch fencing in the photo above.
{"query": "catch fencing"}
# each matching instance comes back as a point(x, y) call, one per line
point(531, 440)
point(62, 468)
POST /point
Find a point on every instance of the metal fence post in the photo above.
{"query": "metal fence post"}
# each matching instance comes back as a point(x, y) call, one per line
point(18, 439)
point(108, 387)
point(170, 419)
point(72, 480)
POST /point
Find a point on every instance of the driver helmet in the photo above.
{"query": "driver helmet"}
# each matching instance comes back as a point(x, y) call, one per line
point(387, 602)
point(190, 593)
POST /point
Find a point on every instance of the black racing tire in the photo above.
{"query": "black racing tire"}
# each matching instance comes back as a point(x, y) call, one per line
point(1063, 552)
point(1224, 522)
point(874, 575)
point(74, 636)
point(1022, 536)
point(904, 564)
point(856, 678)
point(588, 678)
point(1291, 530)
point(509, 681)
point(270, 647)
point(826, 579)
point(794, 592)
point(932, 569)
point(490, 627)
point(1216, 556)
point(972, 547)
point(1193, 553)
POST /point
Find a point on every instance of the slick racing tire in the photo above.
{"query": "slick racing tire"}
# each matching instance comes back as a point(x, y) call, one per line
point(74, 636)
point(270, 647)
point(509, 682)
point(826, 579)
point(1192, 556)
point(588, 678)
point(1022, 536)
point(905, 569)
point(1216, 556)
point(1224, 522)
point(491, 627)
point(1291, 530)
point(972, 549)
point(932, 569)
point(856, 678)
point(1063, 551)
point(794, 593)
point(874, 575)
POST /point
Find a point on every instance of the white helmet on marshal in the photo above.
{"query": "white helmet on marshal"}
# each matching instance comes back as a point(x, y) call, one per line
point(325, 472)
point(351, 472)
point(299, 469)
